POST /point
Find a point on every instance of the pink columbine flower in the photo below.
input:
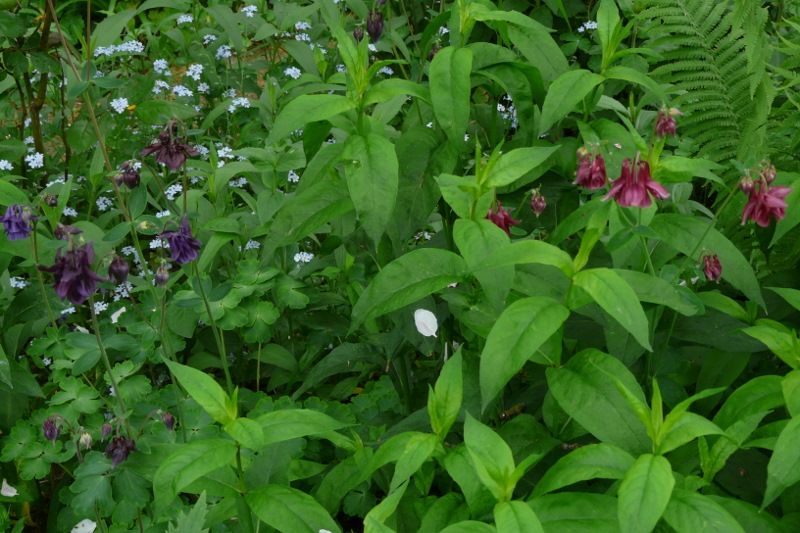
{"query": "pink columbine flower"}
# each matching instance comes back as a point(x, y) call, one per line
point(634, 186)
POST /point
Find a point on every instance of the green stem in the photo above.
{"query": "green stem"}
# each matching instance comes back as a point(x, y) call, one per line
point(218, 336)
point(711, 226)
point(248, 516)
point(40, 279)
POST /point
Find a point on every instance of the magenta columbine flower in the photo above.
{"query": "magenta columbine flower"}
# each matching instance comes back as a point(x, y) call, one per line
point(538, 203)
point(634, 186)
point(183, 247)
point(502, 218)
point(169, 149)
point(591, 172)
point(712, 267)
point(74, 278)
point(665, 122)
point(765, 203)
point(119, 448)
point(17, 222)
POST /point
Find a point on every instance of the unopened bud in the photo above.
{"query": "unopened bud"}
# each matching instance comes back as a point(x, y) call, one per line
point(538, 203)
point(746, 184)
point(85, 440)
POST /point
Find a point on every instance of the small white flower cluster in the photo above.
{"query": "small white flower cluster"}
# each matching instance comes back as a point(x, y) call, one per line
point(55, 181)
point(293, 72)
point(303, 257)
point(372, 48)
point(194, 180)
point(194, 71)
point(99, 307)
point(249, 11)
point(238, 183)
point(202, 150)
point(128, 47)
point(68, 311)
point(252, 245)
point(104, 203)
point(341, 68)
point(160, 66)
point(238, 102)
point(588, 25)
point(185, 19)
point(160, 86)
point(173, 190)
point(158, 242)
point(29, 140)
point(508, 113)
point(423, 235)
point(209, 38)
point(180, 90)
point(229, 93)
point(17, 283)
point(131, 251)
point(119, 105)
point(293, 177)
point(203, 88)
point(34, 160)
point(224, 52)
point(69, 212)
point(163, 214)
point(123, 290)
point(387, 71)
point(6, 165)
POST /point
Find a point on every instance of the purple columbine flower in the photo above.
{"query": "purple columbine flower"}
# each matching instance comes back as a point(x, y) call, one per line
point(119, 448)
point(17, 222)
point(374, 25)
point(119, 269)
point(74, 278)
point(169, 149)
point(161, 277)
point(50, 428)
point(183, 247)
point(129, 174)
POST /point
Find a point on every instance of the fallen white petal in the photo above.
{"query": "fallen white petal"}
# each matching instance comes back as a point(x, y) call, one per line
point(115, 315)
point(7, 490)
point(85, 526)
point(426, 322)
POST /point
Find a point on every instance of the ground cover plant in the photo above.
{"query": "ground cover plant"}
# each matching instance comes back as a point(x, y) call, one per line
point(347, 265)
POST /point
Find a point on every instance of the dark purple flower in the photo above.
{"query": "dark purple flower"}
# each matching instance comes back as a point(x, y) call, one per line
point(358, 33)
point(591, 172)
point(168, 419)
point(169, 149)
point(17, 222)
point(119, 448)
point(161, 276)
point(764, 203)
point(119, 269)
point(712, 267)
point(63, 231)
point(538, 203)
point(502, 218)
point(129, 174)
point(74, 278)
point(183, 247)
point(51, 429)
point(633, 187)
point(665, 124)
point(374, 25)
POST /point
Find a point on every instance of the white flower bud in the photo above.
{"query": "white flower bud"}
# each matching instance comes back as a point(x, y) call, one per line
point(426, 322)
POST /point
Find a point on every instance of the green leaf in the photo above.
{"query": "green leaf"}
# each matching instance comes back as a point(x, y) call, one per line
point(515, 338)
point(374, 521)
point(418, 450)
point(792, 296)
point(783, 469)
point(187, 464)
point(205, 391)
point(644, 494)
point(683, 233)
point(223, 16)
point(161, 111)
point(288, 509)
point(516, 517)
point(372, 174)
point(689, 512)
point(760, 394)
point(307, 108)
point(791, 392)
point(406, 280)
point(686, 428)
point(564, 94)
point(656, 290)
point(92, 486)
point(618, 299)
point(11, 194)
point(449, 77)
point(634, 76)
point(108, 30)
point(469, 526)
point(516, 163)
point(478, 240)
point(491, 458)
point(607, 21)
point(792, 218)
point(540, 49)
point(593, 461)
point(193, 521)
point(576, 512)
point(287, 424)
point(444, 400)
point(584, 390)
point(387, 89)
point(247, 432)
point(529, 252)
point(779, 339)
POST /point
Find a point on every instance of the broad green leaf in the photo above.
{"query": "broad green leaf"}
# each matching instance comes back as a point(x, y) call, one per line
point(689, 512)
point(576, 512)
point(792, 218)
point(247, 432)
point(688, 427)
point(584, 390)
point(387, 89)
point(540, 49)
point(205, 391)
point(634, 76)
point(783, 469)
point(469, 526)
point(513, 165)
point(460, 467)
point(684, 232)
point(407, 279)
point(11, 194)
point(92, 485)
point(287, 424)
point(188, 463)
point(792, 296)
point(307, 108)
point(758, 395)
point(374, 521)
point(288, 509)
point(450, 90)
point(5, 369)
point(791, 392)
point(161, 111)
point(725, 446)
point(478, 240)
point(417, 451)
point(109, 29)
point(749, 517)
point(607, 21)
point(724, 304)
point(193, 521)
point(529, 252)
point(516, 517)
point(593, 461)
point(515, 338)
point(444, 400)
point(618, 299)
point(652, 289)
point(564, 94)
point(223, 15)
point(371, 175)
point(781, 341)
point(446, 510)
point(644, 494)
point(491, 458)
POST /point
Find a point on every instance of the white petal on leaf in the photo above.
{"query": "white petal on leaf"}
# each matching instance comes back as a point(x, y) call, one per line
point(7, 490)
point(85, 526)
point(426, 322)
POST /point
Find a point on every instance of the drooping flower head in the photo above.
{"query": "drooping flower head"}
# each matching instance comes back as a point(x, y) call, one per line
point(591, 172)
point(374, 25)
point(51, 429)
point(183, 247)
point(129, 174)
point(74, 278)
point(118, 269)
point(17, 222)
point(502, 218)
point(538, 202)
point(712, 267)
point(119, 448)
point(169, 149)
point(665, 122)
point(161, 277)
point(634, 186)
point(765, 203)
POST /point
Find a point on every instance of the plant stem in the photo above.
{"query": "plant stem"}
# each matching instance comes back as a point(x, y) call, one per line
point(218, 337)
point(40, 279)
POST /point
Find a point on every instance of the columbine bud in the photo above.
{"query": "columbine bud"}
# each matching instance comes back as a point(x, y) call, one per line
point(665, 124)
point(358, 33)
point(768, 172)
point(712, 267)
point(538, 202)
point(50, 428)
point(746, 184)
point(119, 269)
point(162, 275)
point(105, 431)
point(168, 419)
point(51, 200)
point(85, 440)
point(374, 25)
